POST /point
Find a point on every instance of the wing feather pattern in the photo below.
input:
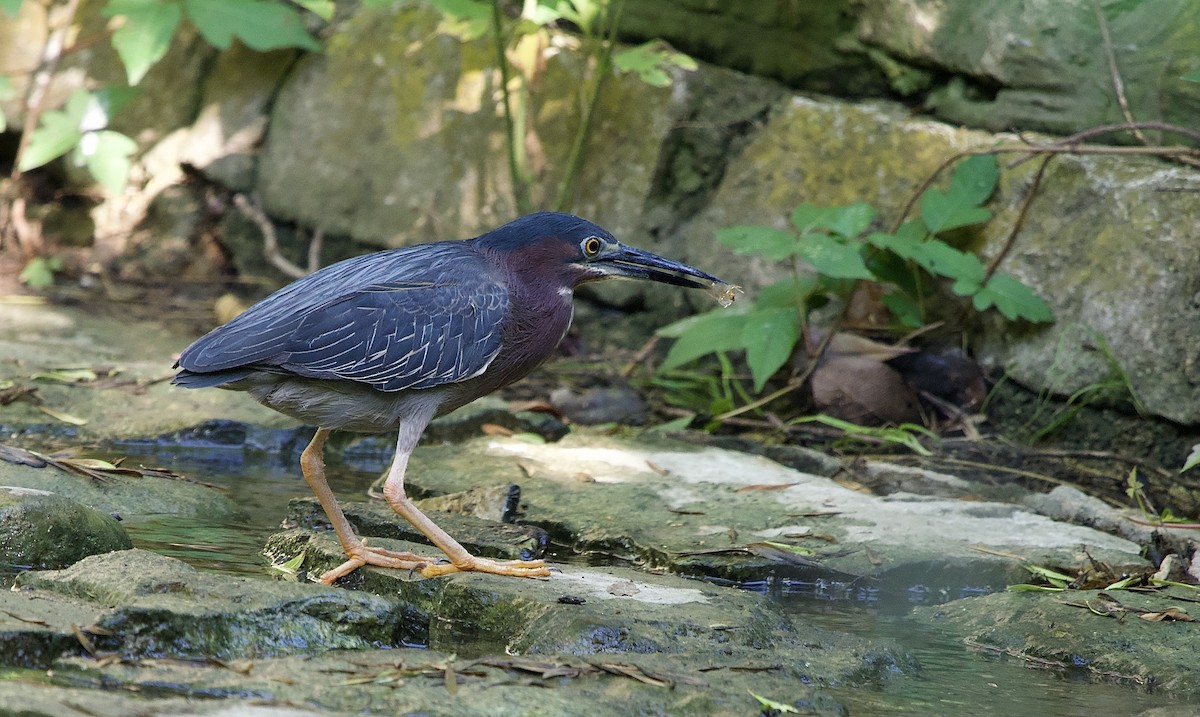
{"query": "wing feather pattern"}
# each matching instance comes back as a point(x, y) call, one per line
point(408, 318)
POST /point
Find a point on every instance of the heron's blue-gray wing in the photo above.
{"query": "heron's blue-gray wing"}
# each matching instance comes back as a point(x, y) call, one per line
point(403, 319)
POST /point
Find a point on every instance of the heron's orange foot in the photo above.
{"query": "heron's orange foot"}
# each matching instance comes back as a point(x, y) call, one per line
point(366, 555)
point(514, 568)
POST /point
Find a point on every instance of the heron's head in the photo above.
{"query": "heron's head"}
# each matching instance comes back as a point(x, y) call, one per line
point(552, 246)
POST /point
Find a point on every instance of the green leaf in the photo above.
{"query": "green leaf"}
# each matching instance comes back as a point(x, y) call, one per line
point(1012, 298)
point(464, 19)
point(942, 212)
point(975, 179)
point(768, 704)
point(650, 61)
point(106, 154)
point(933, 255)
point(793, 293)
point(701, 335)
point(145, 36)
point(902, 307)
point(848, 221)
point(39, 272)
point(769, 336)
point(321, 8)
point(773, 244)
point(1193, 459)
point(1191, 76)
point(833, 258)
point(11, 7)
point(259, 24)
point(57, 133)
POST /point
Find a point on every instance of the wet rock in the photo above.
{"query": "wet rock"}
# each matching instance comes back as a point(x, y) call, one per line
point(139, 402)
point(42, 530)
point(123, 495)
point(144, 605)
point(609, 611)
point(703, 511)
point(497, 646)
point(376, 519)
point(494, 503)
point(1067, 634)
point(614, 404)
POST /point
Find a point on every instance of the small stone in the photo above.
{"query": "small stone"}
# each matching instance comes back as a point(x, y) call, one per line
point(42, 530)
point(617, 404)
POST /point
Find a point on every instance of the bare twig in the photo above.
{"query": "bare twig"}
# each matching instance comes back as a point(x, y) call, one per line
point(271, 240)
point(1019, 222)
point(1115, 73)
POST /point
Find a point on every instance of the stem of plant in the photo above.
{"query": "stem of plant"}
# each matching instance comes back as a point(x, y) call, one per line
point(566, 186)
point(520, 187)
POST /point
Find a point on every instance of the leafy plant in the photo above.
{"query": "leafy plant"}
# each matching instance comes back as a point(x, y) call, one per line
point(520, 44)
point(834, 242)
point(1193, 459)
point(39, 272)
point(143, 35)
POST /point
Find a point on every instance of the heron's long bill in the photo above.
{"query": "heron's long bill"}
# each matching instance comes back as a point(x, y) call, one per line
point(637, 264)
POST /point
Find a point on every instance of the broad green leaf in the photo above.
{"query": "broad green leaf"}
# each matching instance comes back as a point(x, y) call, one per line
point(940, 259)
point(58, 132)
point(848, 221)
point(773, 244)
point(145, 35)
point(259, 24)
point(833, 258)
point(1013, 299)
point(793, 292)
point(902, 307)
point(942, 212)
point(769, 336)
point(106, 154)
point(39, 272)
point(702, 335)
point(1191, 76)
point(321, 8)
point(105, 103)
point(12, 7)
point(974, 179)
point(1193, 459)
point(464, 19)
point(650, 60)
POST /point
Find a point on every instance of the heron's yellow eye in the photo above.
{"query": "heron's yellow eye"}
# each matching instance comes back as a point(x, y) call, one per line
point(591, 246)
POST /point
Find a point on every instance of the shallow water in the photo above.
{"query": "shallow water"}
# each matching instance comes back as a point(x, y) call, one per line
point(954, 679)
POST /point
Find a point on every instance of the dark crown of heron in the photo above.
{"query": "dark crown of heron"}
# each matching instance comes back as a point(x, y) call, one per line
point(548, 246)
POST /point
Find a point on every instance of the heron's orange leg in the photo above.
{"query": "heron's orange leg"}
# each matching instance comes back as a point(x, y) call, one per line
point(358, 554)
point(460, 559)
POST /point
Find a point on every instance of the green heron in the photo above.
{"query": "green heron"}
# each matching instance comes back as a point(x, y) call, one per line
point(391, 340)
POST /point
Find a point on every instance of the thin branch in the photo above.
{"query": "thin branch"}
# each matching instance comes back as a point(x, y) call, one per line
point(1115, 73)
point(1019, 222)
point(520, 187)
point(270, 240)
point(566, 185)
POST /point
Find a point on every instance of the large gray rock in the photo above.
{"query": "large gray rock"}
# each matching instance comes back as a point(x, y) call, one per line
point(393, 136)
point(1042, 65)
